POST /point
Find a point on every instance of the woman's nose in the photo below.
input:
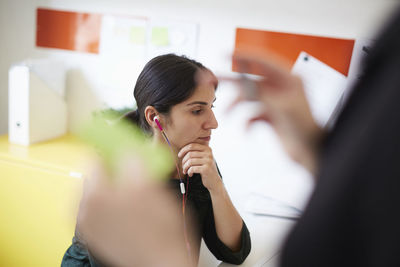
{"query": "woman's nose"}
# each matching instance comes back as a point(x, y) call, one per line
point(211, 122)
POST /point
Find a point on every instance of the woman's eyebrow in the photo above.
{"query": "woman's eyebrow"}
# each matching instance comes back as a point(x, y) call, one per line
point(199, 103)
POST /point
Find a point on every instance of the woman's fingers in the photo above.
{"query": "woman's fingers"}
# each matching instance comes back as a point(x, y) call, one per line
point(191, 147)
point(191, 163)
point(195, 154)
point(192, 155)
point(194, 169)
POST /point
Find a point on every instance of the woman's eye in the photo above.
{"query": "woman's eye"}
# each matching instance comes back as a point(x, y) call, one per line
point(197, 111)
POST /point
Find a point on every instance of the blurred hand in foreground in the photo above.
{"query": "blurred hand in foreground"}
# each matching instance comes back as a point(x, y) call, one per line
point(283, 104)
point(131, 219)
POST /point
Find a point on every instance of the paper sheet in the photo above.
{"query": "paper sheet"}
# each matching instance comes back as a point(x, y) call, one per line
point(323, 85)
point(159, 36)
point(263, 205)
point(168, 36)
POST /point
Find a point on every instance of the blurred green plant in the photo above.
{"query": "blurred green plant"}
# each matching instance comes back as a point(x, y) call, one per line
point(113, 112)
point(115, 138)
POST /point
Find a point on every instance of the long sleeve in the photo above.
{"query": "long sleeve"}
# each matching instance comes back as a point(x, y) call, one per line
point(200, 198)
point(218, 248)
point(75, 256)
point(78, 256)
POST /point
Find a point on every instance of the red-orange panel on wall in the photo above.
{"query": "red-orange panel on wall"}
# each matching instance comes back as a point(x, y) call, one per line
point(332, 51)
point(68, 30)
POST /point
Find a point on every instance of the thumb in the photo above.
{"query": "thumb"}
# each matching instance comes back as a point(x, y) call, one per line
point(261, 117)
point(234, 103)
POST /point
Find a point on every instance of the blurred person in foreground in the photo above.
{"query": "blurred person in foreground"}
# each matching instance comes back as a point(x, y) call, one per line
point(352, 218)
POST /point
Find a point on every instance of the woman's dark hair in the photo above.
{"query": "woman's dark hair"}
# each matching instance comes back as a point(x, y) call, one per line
point(165, 81)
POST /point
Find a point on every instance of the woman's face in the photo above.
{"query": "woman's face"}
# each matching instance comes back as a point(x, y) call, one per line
point(193, 120)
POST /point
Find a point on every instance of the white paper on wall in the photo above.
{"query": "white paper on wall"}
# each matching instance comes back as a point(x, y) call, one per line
point(323, 85)
point(166, 36)
point(128, 43)
point(123, 52)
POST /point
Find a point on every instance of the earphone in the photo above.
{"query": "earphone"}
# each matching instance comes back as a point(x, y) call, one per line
point(156, 120)
point(182, 185)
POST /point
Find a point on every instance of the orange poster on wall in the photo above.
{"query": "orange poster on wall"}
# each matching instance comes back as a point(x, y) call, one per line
point(68, 30)
point(332, 51)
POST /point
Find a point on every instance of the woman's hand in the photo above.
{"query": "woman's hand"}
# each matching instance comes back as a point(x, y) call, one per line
point(198, 158)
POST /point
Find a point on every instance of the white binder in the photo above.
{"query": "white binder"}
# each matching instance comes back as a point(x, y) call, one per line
point(37, 109)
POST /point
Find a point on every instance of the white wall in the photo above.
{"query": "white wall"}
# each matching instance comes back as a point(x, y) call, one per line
point(217, 19)
point(241, 156)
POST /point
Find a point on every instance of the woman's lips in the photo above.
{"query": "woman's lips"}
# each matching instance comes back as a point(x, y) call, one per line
point(207, 138)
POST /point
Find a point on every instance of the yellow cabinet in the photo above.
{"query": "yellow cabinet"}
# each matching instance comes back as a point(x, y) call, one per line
point(40, 188)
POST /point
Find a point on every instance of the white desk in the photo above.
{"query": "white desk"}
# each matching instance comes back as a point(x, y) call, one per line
point(267, 235)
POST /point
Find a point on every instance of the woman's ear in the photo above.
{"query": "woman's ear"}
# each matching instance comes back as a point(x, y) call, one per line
point(149, 113)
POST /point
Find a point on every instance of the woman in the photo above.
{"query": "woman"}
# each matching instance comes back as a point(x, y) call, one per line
point(180, 93)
